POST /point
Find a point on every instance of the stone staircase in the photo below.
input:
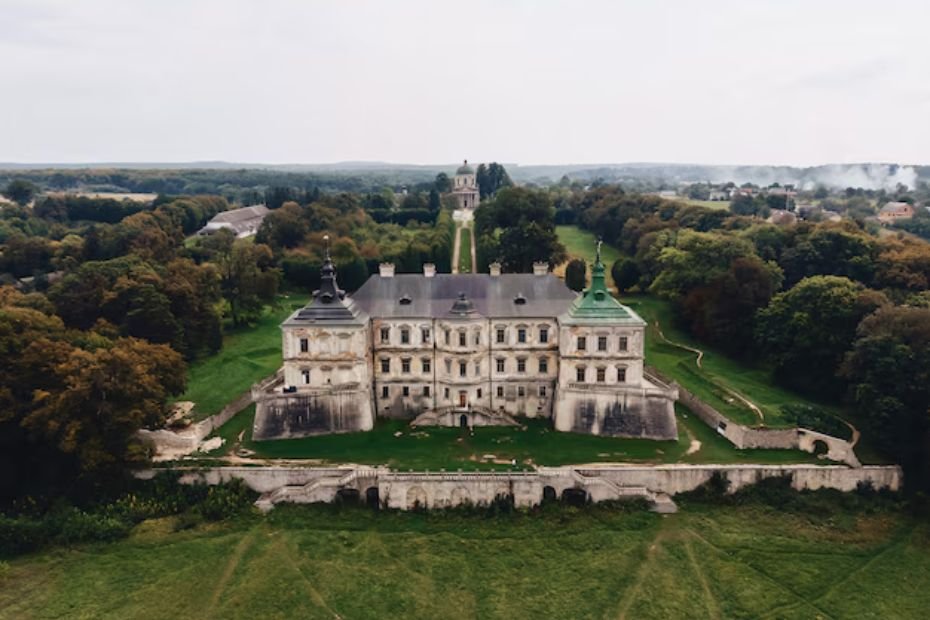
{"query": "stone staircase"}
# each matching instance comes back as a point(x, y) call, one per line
point(660, 502)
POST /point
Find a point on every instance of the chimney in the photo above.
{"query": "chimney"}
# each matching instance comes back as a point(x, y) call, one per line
point(386, 270)
point(429, 270)
point(495, 268)
point(540, 268)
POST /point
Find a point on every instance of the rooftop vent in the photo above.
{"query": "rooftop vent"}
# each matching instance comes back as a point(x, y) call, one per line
point(519, 299)
point(405, 300)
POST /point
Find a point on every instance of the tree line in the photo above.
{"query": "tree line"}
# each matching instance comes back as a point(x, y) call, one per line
point(838, 312)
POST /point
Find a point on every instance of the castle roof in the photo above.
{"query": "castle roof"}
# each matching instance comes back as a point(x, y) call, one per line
point(511, 295)
point(597, 305)
point(329, 304)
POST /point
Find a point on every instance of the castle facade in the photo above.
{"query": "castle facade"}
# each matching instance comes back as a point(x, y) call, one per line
point(465, 350)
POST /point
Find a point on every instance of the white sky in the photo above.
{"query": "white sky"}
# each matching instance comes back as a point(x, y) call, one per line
point(705, 81)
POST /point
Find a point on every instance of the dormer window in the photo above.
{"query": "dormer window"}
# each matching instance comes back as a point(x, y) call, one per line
point(519, 299)
point(405, 300)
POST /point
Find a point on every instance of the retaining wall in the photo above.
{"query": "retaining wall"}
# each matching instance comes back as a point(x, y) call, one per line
point(441, 489)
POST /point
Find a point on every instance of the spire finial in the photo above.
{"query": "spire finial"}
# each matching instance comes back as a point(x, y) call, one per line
point(326, 247)
point(599, 243)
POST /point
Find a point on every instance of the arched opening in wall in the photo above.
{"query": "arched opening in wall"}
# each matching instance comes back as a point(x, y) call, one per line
point(463, 421)
point(372, 498)
point(820, 447)
point(417, 499)
point(575, 497)
point(347, 496)
point(549, 494)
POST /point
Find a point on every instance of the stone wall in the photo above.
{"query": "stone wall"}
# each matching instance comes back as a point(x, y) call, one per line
point(745, 437)
point(443, 489)
point(279, 416)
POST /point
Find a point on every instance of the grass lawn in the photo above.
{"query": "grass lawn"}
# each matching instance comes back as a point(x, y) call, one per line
point(582, 244)
point(598, 562)
point(536, 444)
point(249, 354)
point(465, 250)
point(710, 204)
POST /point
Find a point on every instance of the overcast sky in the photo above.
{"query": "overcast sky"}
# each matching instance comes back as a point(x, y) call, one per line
point(712, 81)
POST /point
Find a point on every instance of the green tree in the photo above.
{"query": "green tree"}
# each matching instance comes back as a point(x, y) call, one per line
point(285, 227)
point(576, 274)
point(20, 191)
point(248, 279)
point(625, 274)
point(491, 178)
point(808, 329)
point(443, 184)
point(888, 371)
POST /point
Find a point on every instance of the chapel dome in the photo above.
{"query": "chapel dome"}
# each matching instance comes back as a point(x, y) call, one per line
point(465, 169)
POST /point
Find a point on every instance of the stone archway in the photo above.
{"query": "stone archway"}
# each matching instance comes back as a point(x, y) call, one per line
point(460, 496)
point(417, 498)
point(372, 497)
point(348, 496)
point(575, 497)
point(549, 494)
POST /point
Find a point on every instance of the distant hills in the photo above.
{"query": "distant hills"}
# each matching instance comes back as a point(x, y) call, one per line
point(865, 175)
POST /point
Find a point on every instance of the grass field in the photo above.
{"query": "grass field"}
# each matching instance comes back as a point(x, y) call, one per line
point(465, 250)
point(249, 354)
point(710, 204)
point(598, 562)
point(536, 444)
point(583, 244)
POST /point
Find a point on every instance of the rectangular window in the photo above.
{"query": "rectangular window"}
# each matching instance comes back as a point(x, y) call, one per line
point(426, 364)
point(463, 369)
point(500, 391)
point(406, 390)
point(385, 391)
point(479, 392)
point(582, 343)
point(447, 336)
point(385, 335)
point(477, 369)
point(425, 390)
point(542, 391)
point(304, 345)
point(306, 376)
point(405, 365)
point(445, 393)
point(477, 338)
point(521, 391)
point(521, 365)
point(462, 340)
point(543, 365)
point(601, 375)
point(602, 343)
point(543, 335)
point(501, 335)
point(621, 375)
point(385, 365)
point(624, 343)
point(521, 335)
point(500, 364)
point(579, 374)
point(405, 336)
point(448, 366)
point(424, 335)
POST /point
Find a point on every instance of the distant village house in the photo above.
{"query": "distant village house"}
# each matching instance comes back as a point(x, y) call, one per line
point(894, 211)
point(244, 222)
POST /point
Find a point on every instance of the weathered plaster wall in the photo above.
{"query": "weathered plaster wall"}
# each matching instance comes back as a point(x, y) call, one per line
point(441, 489)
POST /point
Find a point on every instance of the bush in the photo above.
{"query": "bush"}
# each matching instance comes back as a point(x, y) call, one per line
point(816, 419)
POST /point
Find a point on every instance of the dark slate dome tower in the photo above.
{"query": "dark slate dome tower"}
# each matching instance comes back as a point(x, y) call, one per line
point(326, 369)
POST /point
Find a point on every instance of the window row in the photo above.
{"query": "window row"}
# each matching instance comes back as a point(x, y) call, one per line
point(542, 391)
point(460, 336)
point(623, 343)
point(600, 374)
point(405, 335)
point(426, 366)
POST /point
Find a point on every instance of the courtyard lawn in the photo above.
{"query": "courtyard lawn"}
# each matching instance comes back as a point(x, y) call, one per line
point(250, 353)
point(322, 561)
point(465, 250)
point(394, 443)
point(582, 244)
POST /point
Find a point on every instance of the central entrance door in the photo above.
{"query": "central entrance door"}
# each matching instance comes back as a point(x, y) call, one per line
point(463, 399)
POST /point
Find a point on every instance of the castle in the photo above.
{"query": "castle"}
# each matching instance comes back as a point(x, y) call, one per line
point(464, 350)
point(465, 187)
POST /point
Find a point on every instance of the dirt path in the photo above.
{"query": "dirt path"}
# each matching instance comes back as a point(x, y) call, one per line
point(231, 566)
point(713, 611)
point(629, 597)
point(698, 361)
point(456, 247)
